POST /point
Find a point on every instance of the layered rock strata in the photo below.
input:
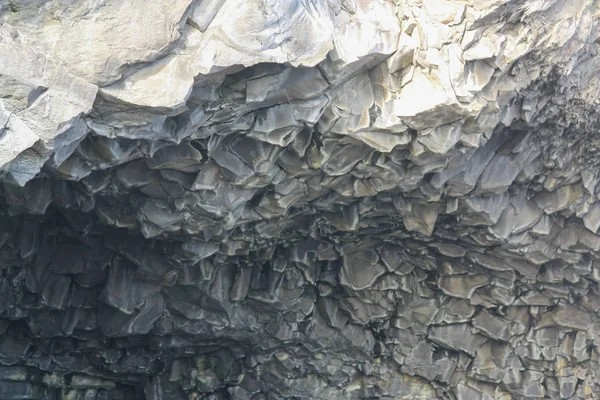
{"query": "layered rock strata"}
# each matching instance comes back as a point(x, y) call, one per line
point(299, 199)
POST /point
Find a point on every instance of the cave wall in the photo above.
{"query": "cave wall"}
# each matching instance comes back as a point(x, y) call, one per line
point(299, 199)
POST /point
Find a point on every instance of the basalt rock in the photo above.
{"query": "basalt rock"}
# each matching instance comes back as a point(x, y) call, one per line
point(336, 199)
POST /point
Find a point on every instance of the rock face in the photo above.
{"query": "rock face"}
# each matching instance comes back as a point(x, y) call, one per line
point(299, 199)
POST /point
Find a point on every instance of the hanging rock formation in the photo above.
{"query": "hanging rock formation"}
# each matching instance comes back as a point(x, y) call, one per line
point(299, 199)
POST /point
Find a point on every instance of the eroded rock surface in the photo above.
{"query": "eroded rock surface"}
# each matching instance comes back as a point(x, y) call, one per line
point(337, 199)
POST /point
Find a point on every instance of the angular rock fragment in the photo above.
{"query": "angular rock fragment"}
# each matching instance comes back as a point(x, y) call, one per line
point(457, 337)
point(421, 218)
point(491, 361)
point(123, 291)
point(559, 199)
point(566, 316)
point(491, 326)
point(462, 286)
point(360, 270)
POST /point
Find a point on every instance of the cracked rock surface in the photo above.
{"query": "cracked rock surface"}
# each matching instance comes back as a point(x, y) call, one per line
point(299, 199)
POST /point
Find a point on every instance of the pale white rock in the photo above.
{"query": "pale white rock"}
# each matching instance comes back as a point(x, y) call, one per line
point(425, 101)
point(488, 5)
point(387, 121)
point(433, 34)
point(237, 36)
point(16, 137)
point(457, 72)
point(203, 12)
point(403, 57)
point(148, 86)
point(366, 33)
point(478, 75)
point(97, 39)
point(441, 139)
point(430, 58)
point(287, 32)
point(470, 37)
point(53, 103)
point(482, 49)
point(445, 11)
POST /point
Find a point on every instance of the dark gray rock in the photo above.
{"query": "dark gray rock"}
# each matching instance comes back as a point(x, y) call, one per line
point(491, 326)
point(456, 337)
point(123, 291)
point(299, 200)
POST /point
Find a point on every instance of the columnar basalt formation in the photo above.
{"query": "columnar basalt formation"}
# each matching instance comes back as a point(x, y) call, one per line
point(299, 199)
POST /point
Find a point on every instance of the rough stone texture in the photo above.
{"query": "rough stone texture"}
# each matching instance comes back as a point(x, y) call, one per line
point(336, 199)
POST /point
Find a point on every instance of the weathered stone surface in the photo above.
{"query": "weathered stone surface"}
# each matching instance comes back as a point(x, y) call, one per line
point(491, 326)
point(457, 337)
point(341, 199)
point(462, 286)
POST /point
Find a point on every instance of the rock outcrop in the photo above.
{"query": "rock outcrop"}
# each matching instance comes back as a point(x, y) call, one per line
point(299, 199)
